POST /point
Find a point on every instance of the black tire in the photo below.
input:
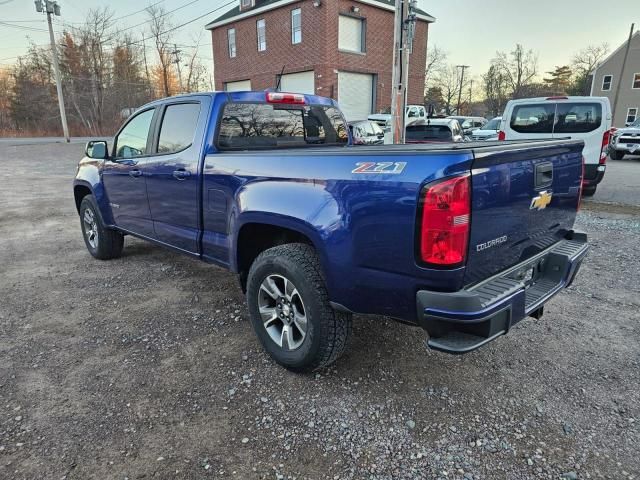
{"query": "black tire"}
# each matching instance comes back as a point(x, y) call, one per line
point(106, 244)
point(616, 155)
point(327, 331)
point(589, 191)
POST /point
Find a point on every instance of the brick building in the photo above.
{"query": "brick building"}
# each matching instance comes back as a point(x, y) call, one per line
point(336, 48)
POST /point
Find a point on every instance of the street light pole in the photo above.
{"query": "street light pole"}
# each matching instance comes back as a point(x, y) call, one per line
point(463, 67)
point(404, 29)
point(52, 8)
point(622, 72)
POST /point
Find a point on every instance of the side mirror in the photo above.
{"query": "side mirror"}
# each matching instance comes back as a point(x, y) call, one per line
point(96, 149)
point(628, 124)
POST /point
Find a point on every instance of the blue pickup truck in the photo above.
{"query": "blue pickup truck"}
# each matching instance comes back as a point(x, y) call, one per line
point(463, 240)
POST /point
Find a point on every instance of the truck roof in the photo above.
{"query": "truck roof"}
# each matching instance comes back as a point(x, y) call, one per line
point(243, 96)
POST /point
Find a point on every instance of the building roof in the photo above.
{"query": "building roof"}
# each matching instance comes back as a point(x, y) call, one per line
point(617, 50)
point(265, 5)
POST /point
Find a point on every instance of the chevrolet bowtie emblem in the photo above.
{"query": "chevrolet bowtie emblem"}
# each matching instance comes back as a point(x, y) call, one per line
point(541, 201)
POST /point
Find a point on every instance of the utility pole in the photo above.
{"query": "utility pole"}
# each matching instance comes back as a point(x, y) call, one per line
point(621, 77)
point(463, 67)
point(403, 33)
point(52, 8)
point(177, 52)
point(470, 97)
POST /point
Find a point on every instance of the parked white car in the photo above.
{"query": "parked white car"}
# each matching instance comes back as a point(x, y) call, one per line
point(470, 124)
point(412, 114)
point(626, 141)
point(583, 118)
point(489, 132)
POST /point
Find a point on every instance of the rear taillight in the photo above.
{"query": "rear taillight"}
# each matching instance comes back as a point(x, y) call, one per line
point(604, 151)
point(288, 98)
point(445, 222)
point(502, 136)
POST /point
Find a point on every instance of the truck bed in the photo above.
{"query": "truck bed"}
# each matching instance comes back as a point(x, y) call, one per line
point(365, 225)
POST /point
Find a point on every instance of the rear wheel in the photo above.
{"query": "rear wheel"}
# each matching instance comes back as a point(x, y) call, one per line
point(616, 155)
point(290, 311)
point(102, 243)
point(589, 191)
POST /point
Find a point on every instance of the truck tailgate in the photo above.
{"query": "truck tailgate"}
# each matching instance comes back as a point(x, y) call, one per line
point(524, 199)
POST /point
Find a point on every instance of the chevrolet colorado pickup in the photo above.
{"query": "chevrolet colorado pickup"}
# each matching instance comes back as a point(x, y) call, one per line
point(463, 240)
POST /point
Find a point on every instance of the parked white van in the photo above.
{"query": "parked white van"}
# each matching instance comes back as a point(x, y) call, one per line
point(583, 118)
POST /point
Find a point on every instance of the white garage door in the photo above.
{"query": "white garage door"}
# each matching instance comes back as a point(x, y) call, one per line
point(241, 86)
point(302, 82)
point(355, 95)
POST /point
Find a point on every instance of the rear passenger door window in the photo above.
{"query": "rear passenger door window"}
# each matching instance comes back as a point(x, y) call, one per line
point(178, 127)
point(533, 118)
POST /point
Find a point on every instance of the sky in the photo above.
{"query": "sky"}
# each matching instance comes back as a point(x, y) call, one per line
point(470, 31)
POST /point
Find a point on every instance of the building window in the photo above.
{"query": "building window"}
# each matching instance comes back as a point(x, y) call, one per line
point(246, 3)
point(636, 81)
point(351, 34)
point(632, 114)
point(231, 39)
point(296, 26)
point(262, 35)
point(606, 82)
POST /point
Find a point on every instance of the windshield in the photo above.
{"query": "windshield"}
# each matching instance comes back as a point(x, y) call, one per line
point(493, 124)
point(636, 124)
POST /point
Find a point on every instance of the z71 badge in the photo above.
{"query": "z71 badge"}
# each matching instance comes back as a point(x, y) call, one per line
point(373, 168)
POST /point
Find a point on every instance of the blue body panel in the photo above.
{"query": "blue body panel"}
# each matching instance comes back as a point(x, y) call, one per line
point(363, 226)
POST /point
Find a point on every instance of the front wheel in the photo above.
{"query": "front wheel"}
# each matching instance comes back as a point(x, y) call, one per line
point(102, 243)
point(616, 155)
point(290, 311)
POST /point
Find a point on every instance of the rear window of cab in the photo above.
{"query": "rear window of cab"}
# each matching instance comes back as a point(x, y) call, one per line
point(252, 126)
point(553, 118)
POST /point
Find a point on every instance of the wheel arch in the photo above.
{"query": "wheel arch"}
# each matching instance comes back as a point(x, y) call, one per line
point(255, 235)
point(80, 190)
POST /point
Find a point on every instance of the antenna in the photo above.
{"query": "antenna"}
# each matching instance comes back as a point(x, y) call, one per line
point(279, 79)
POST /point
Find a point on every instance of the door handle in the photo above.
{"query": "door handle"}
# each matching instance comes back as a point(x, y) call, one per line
point(181, 174)
point(135, 173)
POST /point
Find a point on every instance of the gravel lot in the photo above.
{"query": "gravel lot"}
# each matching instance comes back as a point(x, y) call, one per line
point(146, 367)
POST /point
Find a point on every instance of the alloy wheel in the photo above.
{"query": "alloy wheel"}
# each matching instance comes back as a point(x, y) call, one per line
point(282, 312)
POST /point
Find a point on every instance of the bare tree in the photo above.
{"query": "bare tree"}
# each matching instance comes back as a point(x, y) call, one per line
point(196, 72)
point(519, 67)
point(587, 59)
point(496, 90)
point(447, 81)
point(584, 64)
point(436, 61)
point(160, 33)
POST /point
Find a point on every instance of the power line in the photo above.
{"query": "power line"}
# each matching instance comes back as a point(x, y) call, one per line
point(23, 27)
point(232, 2)
point(172, 29)
point(159, 16)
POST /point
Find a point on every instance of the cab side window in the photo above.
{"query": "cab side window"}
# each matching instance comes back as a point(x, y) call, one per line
point(178, 127)
point(132, 140)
